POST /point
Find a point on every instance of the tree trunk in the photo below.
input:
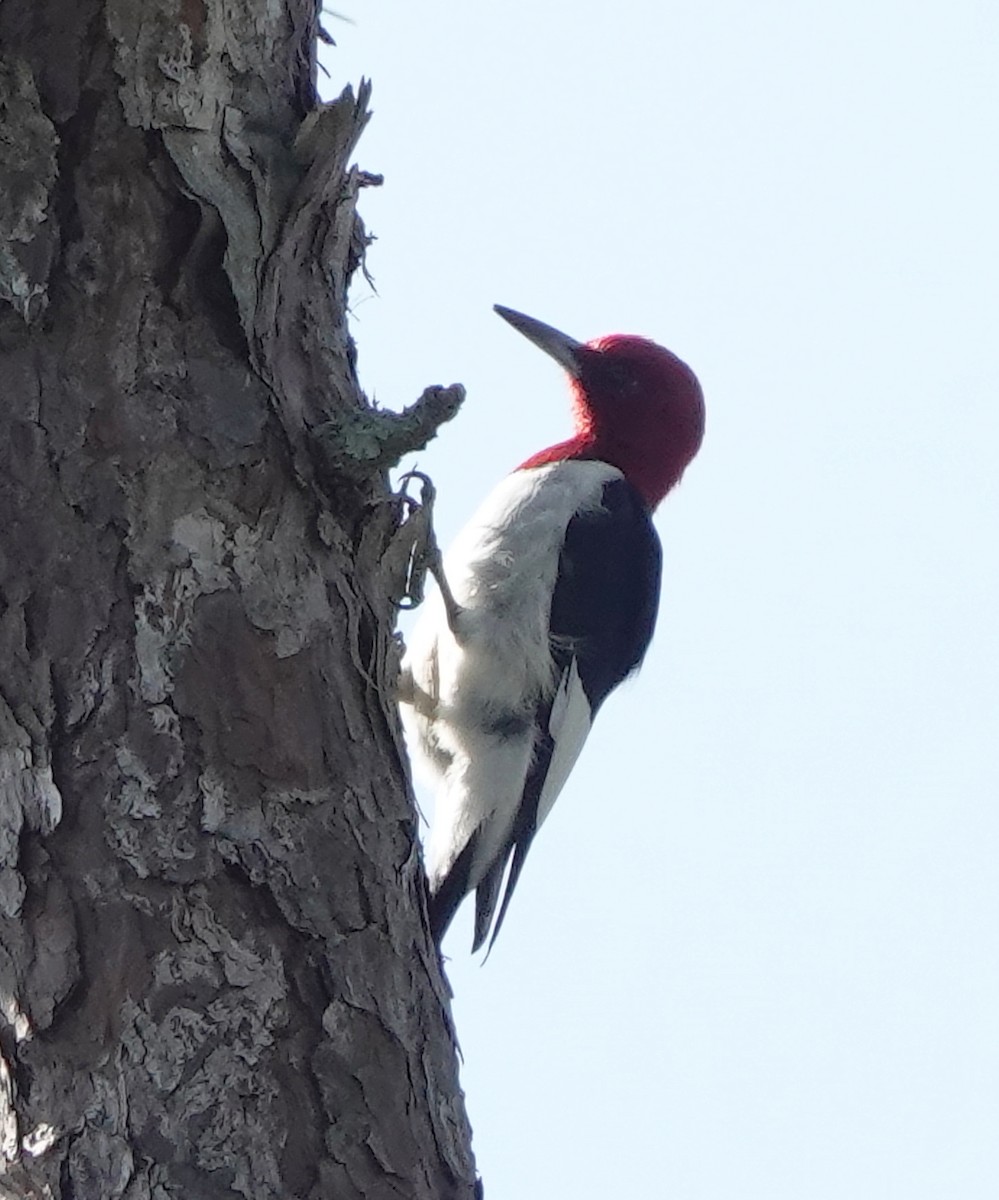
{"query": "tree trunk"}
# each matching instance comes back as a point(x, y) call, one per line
point(215, 974)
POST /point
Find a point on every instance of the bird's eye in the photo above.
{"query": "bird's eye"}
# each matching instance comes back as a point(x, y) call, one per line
point(619, 377)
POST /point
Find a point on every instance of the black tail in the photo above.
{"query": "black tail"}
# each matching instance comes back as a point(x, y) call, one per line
point(443, 903)
point(486, 895)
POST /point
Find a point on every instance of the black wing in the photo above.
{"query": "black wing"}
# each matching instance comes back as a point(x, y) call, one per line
point(605, 602)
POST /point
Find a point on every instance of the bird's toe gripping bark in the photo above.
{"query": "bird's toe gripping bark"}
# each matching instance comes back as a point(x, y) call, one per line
point(419, 550)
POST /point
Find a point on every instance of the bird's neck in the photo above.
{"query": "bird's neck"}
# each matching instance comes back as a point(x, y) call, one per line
point(648, 473)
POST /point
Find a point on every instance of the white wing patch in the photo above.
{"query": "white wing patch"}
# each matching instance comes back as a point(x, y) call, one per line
point(569, 726)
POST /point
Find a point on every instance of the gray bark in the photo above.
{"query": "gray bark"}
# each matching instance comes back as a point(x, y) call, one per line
point(215, 976)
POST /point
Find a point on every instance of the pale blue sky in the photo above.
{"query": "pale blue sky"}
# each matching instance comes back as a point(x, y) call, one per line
point(754, 954)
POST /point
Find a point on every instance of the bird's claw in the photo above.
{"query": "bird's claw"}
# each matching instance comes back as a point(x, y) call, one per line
point(420, 551)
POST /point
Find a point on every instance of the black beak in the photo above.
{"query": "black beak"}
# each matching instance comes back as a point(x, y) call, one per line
point(564, 349)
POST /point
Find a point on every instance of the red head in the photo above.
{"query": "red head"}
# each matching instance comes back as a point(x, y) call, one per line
point(636, 405)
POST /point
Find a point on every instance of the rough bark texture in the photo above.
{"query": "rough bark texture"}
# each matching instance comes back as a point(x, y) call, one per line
point(215, 978)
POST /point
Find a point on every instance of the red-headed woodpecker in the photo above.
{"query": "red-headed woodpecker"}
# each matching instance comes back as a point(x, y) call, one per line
point(554, 590)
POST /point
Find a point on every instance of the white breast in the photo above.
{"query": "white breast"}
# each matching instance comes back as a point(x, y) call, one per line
point(502, 570)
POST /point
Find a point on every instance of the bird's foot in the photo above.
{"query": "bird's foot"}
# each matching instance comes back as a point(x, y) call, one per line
point(417, 547)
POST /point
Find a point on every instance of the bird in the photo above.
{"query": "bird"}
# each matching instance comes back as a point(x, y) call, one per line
point(548, 600)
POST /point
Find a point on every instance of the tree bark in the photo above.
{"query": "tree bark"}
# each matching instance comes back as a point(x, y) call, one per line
point(215, 975)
